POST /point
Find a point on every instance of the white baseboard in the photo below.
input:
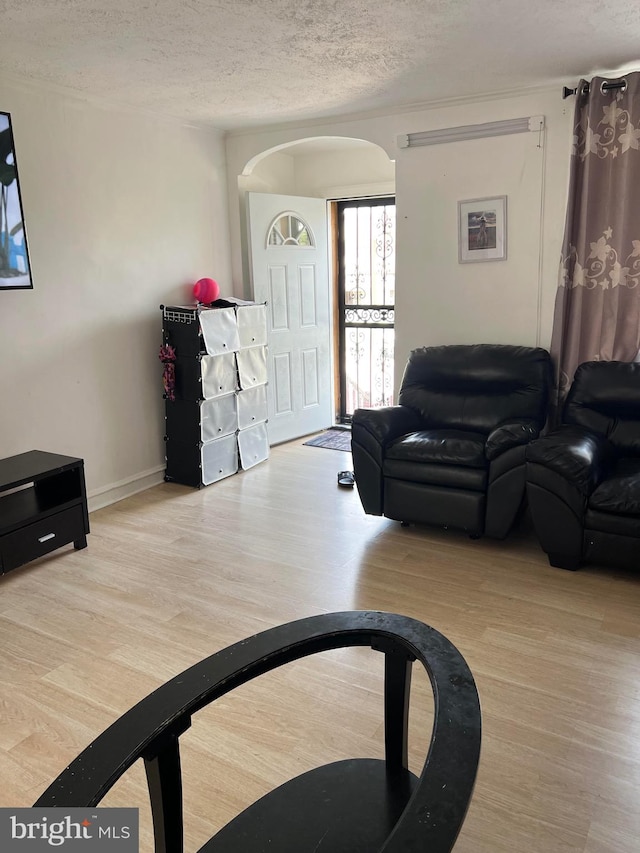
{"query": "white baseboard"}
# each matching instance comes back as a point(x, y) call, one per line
point(107, 495)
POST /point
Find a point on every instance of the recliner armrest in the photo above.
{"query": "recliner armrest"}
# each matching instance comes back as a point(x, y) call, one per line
point(508, 435)
point(387, 422)
point(580, 457)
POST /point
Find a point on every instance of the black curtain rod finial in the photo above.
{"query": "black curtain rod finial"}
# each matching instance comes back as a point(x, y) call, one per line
point(605, 87)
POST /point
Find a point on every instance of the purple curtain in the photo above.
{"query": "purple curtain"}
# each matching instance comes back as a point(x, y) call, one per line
point(597, 311)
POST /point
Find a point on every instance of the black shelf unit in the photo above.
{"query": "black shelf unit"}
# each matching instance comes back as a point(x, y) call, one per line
point(43, 506)
point(216, 371)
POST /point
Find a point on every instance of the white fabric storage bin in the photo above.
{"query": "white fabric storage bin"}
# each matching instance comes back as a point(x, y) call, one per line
point(219, 459)
point(252, 325)
point(252, 366)
point(218, 417)
point(219, 330)
point(253, 445)
point(252, 406)
point(219, 375)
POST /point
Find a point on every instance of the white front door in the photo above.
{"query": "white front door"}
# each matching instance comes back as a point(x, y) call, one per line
point(288, 252)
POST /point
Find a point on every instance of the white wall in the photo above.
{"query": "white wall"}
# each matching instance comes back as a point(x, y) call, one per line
point(274, 174)
point(364, 170)
point(439, 300)
point(348, 173)
point(124, 212)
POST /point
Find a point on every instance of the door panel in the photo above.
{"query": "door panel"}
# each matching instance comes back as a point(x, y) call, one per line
point(278, 304)
point(282, 384)
point(288, 249)
point(311, 378)
point(307, 296)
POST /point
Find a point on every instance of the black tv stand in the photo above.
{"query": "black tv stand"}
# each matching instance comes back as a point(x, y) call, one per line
point(43, 505)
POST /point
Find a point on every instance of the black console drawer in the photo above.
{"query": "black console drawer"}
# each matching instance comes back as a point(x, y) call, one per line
point(41, 537)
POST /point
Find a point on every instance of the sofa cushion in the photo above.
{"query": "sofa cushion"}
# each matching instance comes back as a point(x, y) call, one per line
point(444, 446)
point(476, 387)
point(620, 492)
point(580, 457)
point(622, 526)
point(449, 476)
point(605, 398)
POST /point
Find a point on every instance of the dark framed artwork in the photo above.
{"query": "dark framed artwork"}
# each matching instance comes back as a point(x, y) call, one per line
point(15, 270)
point(483, 229)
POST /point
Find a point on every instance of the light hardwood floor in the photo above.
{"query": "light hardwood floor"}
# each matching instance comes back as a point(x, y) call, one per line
point(174, 574)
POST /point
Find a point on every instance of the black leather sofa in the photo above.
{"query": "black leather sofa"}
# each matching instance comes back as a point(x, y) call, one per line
point(583, 478)
point(452, 453)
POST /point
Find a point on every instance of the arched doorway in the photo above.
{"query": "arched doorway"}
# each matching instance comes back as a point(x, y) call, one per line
point(334, 171)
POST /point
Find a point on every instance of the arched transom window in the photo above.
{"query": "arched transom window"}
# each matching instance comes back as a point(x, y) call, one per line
point(289, 230)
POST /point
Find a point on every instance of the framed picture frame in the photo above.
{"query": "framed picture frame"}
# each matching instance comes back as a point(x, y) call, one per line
point(15, 269)
point(482, 226)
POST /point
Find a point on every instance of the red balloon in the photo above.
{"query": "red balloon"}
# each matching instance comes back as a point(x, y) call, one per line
point(206, 290)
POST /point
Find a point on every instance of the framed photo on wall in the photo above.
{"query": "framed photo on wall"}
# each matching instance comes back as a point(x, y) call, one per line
point(483, 229)
point(15, 271)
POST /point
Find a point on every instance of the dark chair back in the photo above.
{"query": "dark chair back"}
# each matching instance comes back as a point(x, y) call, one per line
point(380, 805)
point(605, 398)
point(477, 387)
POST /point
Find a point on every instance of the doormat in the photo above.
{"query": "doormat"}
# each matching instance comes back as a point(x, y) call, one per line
point(334, 439)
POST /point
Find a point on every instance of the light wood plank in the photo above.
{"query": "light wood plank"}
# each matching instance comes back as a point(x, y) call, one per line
point(173, 574)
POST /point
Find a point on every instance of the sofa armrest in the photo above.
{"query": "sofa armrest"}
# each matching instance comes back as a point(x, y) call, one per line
point(371, 431)
point(511, 434)
point(578, 456)
point(386, 423)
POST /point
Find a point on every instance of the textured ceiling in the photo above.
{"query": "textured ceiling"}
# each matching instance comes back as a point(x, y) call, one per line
point(237, 63)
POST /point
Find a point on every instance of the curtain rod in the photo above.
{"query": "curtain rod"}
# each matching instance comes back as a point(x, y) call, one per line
point(618, 84)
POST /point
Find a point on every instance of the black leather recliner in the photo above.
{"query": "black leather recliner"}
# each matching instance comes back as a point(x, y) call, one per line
point(452, 453)
point(583, 478)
